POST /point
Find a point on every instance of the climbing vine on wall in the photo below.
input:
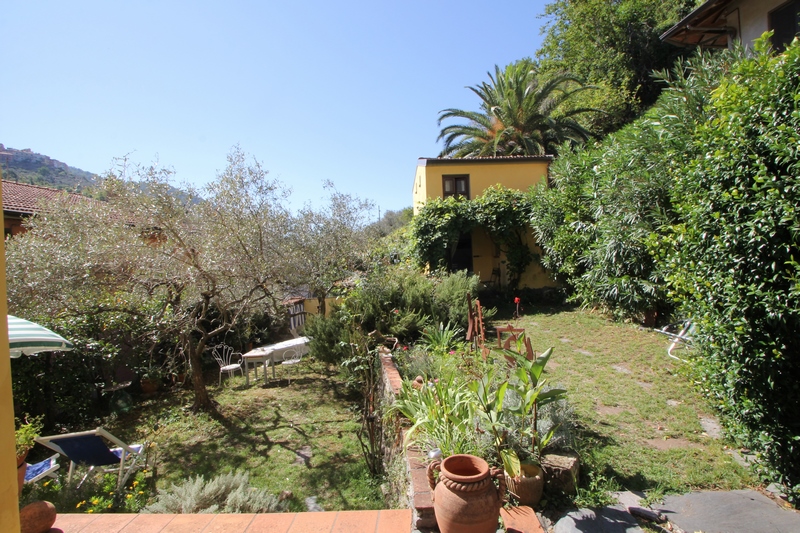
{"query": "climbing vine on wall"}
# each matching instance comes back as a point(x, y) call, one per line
point(504, 214)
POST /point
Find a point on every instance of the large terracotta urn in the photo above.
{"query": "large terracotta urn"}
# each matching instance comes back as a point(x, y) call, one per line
point(465, 498)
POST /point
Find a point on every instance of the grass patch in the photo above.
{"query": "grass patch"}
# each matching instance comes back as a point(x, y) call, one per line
point(638, 416)
point(299, 438)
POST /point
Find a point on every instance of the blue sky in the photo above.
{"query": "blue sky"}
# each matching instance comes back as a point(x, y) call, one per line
point(342, 91)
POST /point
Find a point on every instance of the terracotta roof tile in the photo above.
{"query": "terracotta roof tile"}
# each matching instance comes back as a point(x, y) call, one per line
point(24, 198)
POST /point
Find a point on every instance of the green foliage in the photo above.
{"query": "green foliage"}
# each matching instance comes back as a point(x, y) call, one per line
point(441, 339)
point(598, 220)
point(227, 493)
point(436, 228)
point(25, 433)
point(521, 113)
point(598, 492)
point(442, 415)
point(734, 257)
point(97, 494)
point(502, 212)
point(615, 46)
point(450, 297)
point(328, 339)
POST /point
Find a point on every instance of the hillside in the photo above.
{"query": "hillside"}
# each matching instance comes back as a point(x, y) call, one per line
point(26, 166)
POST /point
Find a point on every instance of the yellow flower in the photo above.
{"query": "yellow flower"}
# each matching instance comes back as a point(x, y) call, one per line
point(90, 511)
point(109, 506)
point(95, 501)
point(141, 492)
point(79, 504)
point(129, 496)
point(135, 483)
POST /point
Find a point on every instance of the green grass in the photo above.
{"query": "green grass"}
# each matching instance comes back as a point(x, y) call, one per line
point(260, 430)
point(638, 415)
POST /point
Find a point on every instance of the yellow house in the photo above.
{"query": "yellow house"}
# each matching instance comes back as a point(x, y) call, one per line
point(443, 177)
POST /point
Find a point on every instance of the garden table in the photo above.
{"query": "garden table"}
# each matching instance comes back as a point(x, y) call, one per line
point(270, 355)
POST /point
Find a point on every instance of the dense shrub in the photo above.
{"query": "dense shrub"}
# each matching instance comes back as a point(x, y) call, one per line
point(597, 220)
point(328, 339)
point(735, 257)
point(502, 212)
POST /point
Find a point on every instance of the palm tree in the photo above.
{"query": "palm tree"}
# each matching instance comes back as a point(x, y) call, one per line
point(518, 116)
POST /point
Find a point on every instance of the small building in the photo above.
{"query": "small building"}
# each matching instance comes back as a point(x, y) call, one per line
point(21, 200)
point(718, 23)
point(470, 177)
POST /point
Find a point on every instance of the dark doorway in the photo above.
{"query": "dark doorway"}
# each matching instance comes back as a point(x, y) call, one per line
point(462, 256)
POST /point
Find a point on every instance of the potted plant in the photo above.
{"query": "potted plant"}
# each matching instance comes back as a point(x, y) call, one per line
point(24, 438)
point(150, 379)
point(525, 478)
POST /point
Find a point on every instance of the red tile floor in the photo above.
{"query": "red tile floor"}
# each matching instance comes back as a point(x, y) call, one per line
point(387, 521)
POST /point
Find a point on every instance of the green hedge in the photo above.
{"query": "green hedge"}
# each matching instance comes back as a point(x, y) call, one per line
point(735, 257)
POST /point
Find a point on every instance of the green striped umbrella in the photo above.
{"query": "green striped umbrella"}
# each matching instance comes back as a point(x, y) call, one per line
point(25, 337)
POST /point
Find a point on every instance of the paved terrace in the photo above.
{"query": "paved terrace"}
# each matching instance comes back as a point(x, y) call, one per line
point(387, 521)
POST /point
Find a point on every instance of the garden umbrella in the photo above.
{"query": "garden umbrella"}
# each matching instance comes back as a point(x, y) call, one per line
point(25, 337)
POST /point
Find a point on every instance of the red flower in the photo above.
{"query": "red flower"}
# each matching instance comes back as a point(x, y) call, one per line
point(405, 348)
point(516, 300)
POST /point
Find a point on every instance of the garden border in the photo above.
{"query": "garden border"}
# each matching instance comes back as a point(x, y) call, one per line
point(412, 459)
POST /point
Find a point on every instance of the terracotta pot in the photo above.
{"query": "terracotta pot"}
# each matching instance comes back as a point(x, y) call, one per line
point(37, 517)
point(528, 487)
point(465, 499)
point(149, 386)
point(22, 468)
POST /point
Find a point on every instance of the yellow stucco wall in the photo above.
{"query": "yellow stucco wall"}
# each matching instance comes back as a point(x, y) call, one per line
point(311, 305)
point(519, 173)
point(485, 261)
point(9, 502)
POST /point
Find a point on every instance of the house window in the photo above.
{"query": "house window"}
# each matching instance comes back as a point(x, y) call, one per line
point(784, 21)
point(455, 186)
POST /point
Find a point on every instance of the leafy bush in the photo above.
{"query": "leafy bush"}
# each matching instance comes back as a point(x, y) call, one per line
point(328, 338)
point(442, 415)
point(450, 297)
point(596, 222)
point(228, 493)
point(735, 256)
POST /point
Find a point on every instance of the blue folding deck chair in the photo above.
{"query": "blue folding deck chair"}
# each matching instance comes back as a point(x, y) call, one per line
point(90, 448)
point(46, 468)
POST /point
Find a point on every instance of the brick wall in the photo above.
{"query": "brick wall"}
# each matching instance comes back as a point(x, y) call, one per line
point(412, 458)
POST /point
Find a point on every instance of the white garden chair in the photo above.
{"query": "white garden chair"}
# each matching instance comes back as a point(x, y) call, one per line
point(224, 355)
point(291, 357)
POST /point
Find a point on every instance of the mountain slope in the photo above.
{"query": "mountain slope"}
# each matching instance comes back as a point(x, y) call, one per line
point(26, 166)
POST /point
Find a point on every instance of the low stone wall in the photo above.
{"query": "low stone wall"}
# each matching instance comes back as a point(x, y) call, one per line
point(411, 460)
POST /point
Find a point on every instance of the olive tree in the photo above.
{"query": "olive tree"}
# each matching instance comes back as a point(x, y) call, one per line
point(329, 243)
point(195, 263)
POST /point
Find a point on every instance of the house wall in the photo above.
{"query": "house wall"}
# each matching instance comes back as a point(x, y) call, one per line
point(486, 260)
point(311, 306)
point(488, 263)
point(482, 175)
point(9, 502)
point(12, 225)
point(750, 18)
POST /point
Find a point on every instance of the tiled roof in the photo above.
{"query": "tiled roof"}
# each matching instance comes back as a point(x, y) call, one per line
point(27, 199)
point(425, 161)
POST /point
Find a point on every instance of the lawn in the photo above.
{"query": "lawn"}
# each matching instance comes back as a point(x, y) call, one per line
point(297, 437)
point(639, 418)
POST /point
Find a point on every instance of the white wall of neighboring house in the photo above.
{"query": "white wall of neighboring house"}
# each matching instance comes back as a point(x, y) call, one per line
point(751, 18)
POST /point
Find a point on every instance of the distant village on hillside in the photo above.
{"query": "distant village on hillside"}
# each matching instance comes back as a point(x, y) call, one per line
point(29, 167)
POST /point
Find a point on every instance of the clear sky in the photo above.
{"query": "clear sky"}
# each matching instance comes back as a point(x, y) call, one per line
point(344, 91)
